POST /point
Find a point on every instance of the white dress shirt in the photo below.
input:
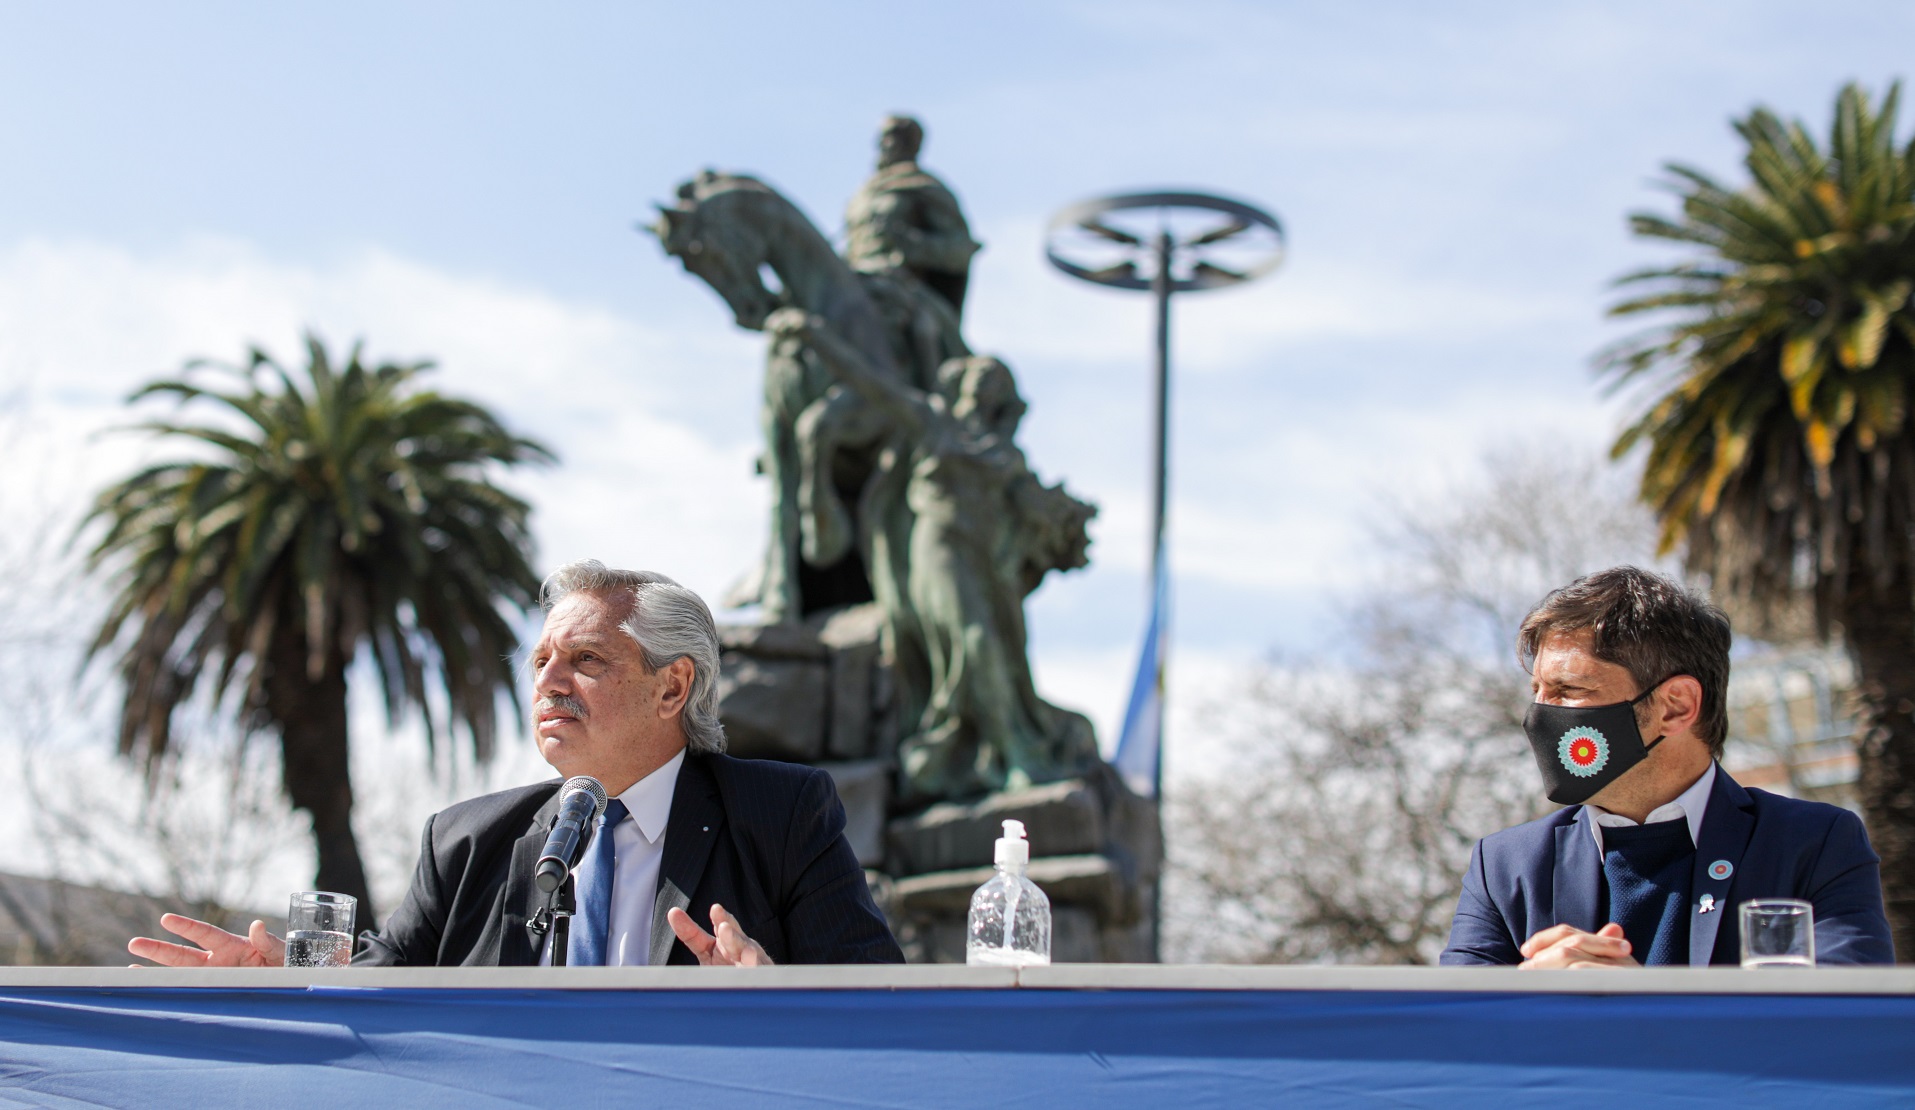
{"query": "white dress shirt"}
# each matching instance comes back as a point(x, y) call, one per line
point(639, 848)
point(1691, 803)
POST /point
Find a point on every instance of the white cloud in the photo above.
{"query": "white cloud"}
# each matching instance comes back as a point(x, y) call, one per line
point(83, 324)
point(650, 476)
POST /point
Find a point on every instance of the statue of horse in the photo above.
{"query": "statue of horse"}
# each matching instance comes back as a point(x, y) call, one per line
point(821, 440)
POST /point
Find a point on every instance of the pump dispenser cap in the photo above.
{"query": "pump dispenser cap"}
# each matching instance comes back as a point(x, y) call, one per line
point(1012, 848)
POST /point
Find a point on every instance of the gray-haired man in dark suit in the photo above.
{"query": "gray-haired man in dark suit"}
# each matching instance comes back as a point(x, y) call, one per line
point(710, 859)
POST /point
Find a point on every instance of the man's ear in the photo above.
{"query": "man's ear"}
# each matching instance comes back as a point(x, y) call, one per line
point(675, 686)
point(1677, 707)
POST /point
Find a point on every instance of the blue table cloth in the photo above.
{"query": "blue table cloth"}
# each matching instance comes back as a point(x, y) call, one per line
point(481, 1048)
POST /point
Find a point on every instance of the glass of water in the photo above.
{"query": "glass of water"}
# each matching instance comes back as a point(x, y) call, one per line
point(319, 929)
point(1778, 932)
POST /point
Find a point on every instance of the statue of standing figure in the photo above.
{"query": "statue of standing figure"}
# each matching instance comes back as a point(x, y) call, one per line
point(891, 453)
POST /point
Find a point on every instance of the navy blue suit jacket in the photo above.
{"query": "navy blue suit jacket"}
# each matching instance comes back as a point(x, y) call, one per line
point(1525, 879)
point(765, 840)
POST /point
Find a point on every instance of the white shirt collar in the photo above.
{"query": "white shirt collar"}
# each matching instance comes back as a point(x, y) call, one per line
point(649, 800)
point(1691, 803)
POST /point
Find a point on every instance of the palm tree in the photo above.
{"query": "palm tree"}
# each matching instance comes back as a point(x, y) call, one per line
point(348, 509)
point(1779, 451)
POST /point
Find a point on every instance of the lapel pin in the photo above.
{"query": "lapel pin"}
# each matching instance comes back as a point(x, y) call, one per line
point(1708, 904)
point(1721, 869)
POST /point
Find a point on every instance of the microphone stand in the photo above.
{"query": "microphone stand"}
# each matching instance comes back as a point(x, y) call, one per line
point(556, 915)
point(563, 905)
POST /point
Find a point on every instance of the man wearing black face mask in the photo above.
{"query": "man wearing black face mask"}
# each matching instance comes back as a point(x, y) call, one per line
point(1658, 845)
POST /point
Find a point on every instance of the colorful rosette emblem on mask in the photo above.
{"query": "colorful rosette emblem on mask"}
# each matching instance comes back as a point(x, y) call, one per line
point(1583, 751)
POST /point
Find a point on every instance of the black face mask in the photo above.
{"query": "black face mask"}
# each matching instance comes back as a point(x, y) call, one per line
point(1582, 748)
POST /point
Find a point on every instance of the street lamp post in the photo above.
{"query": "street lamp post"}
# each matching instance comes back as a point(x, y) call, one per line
point(1168, 243)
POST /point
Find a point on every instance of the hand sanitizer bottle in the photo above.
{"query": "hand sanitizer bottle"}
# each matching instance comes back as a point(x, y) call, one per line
point(1010, 917)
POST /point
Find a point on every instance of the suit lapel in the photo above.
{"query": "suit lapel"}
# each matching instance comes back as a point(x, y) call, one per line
point(691, 830)
point(1727, 826)
point(522, 896)
point(1578, 877)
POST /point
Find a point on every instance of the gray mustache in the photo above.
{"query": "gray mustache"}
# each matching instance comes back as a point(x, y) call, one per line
point(571, 705)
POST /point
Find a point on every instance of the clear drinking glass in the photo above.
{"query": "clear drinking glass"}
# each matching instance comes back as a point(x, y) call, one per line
point(1778, 932)
point(319, 929)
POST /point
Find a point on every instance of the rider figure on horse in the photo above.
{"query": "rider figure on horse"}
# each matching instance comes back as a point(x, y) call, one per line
point(905, 219)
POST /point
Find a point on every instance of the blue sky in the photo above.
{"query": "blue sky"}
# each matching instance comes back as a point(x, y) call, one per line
point(461, 181)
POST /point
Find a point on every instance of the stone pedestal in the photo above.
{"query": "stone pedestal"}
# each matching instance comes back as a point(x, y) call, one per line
point(1097, 851)
point(820, 693)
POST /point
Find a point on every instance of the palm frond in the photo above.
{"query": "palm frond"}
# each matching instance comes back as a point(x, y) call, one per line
point(356, 510)
point(1777, 432)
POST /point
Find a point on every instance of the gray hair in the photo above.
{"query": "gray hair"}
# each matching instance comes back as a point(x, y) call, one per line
point(668, 622)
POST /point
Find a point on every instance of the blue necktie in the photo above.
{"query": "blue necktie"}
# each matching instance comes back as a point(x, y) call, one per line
point(593, 922)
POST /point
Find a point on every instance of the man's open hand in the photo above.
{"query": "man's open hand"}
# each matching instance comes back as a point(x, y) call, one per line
point(729, 948)
point(217, 947)
point(1568, 946)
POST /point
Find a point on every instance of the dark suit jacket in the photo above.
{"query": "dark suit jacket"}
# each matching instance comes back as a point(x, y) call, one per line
point(765, 840)
point(1545, 873)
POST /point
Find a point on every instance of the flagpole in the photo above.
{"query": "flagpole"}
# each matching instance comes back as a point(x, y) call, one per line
point(1139, 756)
point(1160, 287)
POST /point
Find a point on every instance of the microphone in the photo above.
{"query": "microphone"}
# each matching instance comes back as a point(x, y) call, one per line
point(581, 800)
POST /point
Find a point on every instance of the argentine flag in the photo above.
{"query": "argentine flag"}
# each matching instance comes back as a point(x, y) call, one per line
point(1140, 754)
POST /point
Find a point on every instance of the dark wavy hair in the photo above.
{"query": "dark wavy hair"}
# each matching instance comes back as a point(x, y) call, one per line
point(1651, 626)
